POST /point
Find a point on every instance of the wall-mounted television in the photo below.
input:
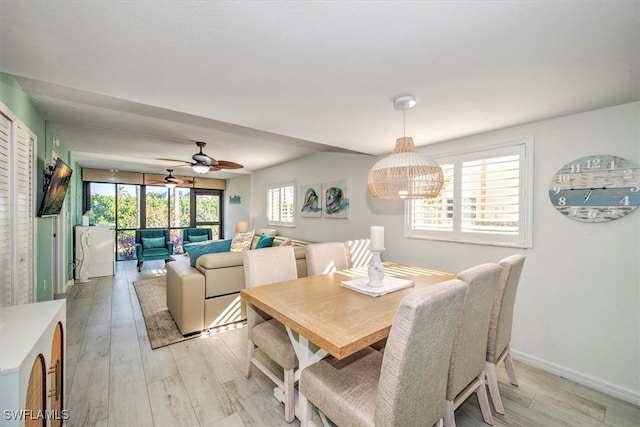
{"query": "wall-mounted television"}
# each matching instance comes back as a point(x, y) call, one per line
point(56, 189)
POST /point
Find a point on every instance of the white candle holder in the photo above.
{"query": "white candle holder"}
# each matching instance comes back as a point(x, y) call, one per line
point(376, 269)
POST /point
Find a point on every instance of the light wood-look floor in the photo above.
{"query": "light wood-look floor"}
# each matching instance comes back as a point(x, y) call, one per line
point(114, 378)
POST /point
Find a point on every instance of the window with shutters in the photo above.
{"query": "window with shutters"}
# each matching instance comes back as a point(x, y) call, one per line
point(281, 204)
point(485, 199)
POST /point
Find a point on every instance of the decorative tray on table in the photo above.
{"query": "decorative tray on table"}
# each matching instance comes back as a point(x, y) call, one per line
point(390, 284)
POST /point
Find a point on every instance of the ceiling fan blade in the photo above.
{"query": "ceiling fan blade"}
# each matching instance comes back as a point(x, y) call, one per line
point(174, 160)
point(224, 164)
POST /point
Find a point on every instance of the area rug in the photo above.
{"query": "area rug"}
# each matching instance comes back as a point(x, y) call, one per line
point(161, 328)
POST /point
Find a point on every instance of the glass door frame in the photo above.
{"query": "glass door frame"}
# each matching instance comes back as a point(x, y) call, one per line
point(194, 223)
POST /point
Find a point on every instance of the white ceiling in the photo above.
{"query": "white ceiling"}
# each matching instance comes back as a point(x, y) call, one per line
point(125, 82)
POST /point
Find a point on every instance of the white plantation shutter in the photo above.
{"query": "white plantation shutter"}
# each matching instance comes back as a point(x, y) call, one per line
point(281, 204)
point(24, 214)
point(17, 259)
point(6, 291)
point(435, 214)
point(486, 199)
point(491, 195)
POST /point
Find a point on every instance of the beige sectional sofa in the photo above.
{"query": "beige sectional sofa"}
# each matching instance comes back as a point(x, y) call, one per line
point(208, 295)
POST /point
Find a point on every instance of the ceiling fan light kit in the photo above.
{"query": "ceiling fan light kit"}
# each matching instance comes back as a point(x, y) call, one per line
point(405, 174)
point(200, 168)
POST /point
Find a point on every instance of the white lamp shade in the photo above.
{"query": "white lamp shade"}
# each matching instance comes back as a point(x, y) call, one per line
point(200, 168)
point(241, 226)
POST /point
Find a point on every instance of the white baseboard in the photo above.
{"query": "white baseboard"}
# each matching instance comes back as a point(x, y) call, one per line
point(588, 381)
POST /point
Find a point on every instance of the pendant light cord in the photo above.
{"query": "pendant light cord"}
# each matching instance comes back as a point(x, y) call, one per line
point(404, 124)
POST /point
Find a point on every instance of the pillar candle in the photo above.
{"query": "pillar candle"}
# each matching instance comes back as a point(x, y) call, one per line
point(377, 237)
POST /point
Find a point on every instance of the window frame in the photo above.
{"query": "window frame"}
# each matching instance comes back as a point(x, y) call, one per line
point(524, 237)
point(281, 187)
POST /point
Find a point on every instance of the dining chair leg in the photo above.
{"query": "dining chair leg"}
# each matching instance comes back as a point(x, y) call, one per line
point(289, 396)
point(250, 352)
point(492, 382)
point(483, 400)
point(449, 417)
point(508, 363)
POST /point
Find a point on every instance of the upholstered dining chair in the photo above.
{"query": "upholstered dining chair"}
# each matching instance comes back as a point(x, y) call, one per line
point(467, 367)
point(323, 258)
point(263, 267)
point(499, 339)
point(152, 244)
point(406, 385)
point(195, 235)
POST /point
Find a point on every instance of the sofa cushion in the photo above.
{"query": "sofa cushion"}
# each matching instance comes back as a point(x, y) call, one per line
point(153, 242)
point(195, 238)
point(156, 252)
point(242, 241)
point(265, 241)
point(196, 250)
point(260, 232)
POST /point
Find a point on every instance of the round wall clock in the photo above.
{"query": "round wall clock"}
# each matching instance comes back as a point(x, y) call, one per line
point(596, 188)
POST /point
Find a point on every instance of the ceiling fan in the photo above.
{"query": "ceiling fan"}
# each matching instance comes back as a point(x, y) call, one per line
point(170, 181)
point(202, 163)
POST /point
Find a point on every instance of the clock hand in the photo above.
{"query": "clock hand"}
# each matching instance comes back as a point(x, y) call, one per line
point(588, 195)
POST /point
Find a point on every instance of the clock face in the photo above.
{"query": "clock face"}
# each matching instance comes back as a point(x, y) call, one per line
point(596, 188)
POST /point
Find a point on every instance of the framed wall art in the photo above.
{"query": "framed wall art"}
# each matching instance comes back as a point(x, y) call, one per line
point(311, 196)
point(335, 199)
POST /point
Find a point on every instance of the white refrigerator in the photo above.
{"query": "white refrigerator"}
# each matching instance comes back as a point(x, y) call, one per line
point(95, 252)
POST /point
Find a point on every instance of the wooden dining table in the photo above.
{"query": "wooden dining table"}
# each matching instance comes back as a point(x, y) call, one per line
point(322, 317)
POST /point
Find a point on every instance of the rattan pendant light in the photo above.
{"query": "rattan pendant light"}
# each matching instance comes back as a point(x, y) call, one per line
point(405, 174)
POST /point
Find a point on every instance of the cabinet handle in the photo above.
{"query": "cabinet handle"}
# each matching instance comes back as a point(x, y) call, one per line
point(55, 387)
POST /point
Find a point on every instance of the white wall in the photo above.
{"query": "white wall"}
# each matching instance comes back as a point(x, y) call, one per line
point(578, 305)
point(240, 186)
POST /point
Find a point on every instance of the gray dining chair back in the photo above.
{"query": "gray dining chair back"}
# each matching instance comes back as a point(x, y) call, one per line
point(467, 367)
point(406, 385)
point(324, 258)
point(263, 267)
point(499, 337)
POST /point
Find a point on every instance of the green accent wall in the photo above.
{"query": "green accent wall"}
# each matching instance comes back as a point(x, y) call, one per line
point(12, 95)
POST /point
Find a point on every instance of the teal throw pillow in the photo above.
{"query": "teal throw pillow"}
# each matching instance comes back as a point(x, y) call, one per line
point(264, 241)
point(195, 238)
point(153, 242)
point(196, 250)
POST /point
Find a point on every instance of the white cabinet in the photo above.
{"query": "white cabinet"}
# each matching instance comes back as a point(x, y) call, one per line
point(32, 363)
point(95, 251)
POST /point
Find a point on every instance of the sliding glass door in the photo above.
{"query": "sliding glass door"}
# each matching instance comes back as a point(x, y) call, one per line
point(208, 210)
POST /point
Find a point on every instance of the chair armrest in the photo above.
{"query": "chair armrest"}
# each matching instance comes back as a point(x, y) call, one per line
point(138, 250)
point(170, 247)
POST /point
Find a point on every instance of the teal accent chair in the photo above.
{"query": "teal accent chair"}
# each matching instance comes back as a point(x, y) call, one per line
point(198, 232)
point(153, 244)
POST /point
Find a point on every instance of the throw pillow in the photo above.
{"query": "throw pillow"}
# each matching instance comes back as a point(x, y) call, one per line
point(153, 242)
point(265, 241)
point(196, 250)
point(195, 238)
point(242, 241)
point(287, 242)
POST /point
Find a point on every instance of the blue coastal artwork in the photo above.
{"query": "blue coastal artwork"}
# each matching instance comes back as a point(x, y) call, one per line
point(311, 203)
point(335, 199)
